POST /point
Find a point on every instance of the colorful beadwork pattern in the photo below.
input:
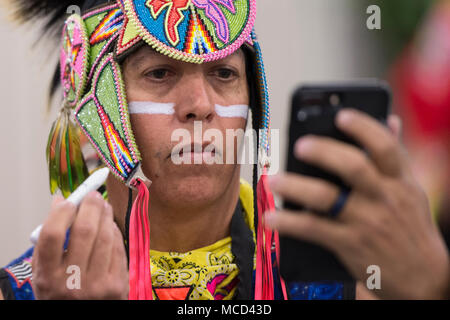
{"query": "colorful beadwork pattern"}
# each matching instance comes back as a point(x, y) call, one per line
point(193, 30)
point(104, 118)
point(129, 35)
point(189, 30)
point(109, 25)
point(264, 97)
point(73, 59)
point(104, 26)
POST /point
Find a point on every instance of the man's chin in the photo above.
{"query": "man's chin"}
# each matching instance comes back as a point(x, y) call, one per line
point(195, 190)
point(192, 185)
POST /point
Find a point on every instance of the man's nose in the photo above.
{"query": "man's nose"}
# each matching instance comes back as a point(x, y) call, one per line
point(194, 99)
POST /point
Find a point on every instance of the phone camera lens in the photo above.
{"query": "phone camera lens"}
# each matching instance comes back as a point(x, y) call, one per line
point(302, 116)
point(308, 112)
point(335, 100)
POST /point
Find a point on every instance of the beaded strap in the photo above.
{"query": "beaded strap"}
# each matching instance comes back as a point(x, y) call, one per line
point(265, 104)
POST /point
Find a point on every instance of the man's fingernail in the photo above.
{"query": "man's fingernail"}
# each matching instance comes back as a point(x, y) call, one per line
point(303, 145)
point(345, 117)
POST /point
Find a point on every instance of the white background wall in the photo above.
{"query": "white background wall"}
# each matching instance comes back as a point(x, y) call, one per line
point(302, 41)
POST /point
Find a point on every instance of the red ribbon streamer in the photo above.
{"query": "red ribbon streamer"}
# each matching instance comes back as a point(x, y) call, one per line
point(264, 284)
point(140, 280)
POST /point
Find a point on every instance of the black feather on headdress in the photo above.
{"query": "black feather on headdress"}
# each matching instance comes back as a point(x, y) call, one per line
point(53, 13)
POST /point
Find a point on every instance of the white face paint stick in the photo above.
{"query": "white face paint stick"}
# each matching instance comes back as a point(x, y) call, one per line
point(95, 181)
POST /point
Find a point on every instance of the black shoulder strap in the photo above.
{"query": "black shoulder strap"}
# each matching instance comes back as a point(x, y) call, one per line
point(243, 248)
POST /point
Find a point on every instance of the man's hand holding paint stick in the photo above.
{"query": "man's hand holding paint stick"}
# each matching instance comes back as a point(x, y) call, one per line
point(95, 252)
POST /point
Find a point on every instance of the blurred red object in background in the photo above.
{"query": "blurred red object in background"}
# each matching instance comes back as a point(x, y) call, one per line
point(422, 78)
point(421, 83)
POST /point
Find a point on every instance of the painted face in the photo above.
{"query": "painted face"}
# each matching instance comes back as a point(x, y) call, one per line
point(167, 96)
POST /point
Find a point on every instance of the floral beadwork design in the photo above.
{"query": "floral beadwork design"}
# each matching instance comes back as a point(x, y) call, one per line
point(73, 59)
point(215, 14)
point(194, 31)
point(174, 16)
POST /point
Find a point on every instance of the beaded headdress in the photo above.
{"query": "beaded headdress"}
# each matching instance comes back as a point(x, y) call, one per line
point(93, 44)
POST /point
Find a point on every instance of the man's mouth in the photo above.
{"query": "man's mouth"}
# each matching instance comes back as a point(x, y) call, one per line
point(195, 152)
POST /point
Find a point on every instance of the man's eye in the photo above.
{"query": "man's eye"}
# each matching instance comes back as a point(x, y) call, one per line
point(158, 74)
point(225, 74)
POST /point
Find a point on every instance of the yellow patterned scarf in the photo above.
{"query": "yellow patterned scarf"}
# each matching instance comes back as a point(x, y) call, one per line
point(208, 273)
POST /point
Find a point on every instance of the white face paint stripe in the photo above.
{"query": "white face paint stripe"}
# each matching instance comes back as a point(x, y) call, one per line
point(148, 107)
point(236, 111)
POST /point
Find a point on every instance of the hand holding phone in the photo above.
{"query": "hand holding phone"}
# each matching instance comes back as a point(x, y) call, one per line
point(314, 108)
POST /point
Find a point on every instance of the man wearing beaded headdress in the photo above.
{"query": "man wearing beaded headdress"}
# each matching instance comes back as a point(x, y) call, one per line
point(136, 73)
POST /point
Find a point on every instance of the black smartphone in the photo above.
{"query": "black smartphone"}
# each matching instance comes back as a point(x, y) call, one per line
point(313, 112)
